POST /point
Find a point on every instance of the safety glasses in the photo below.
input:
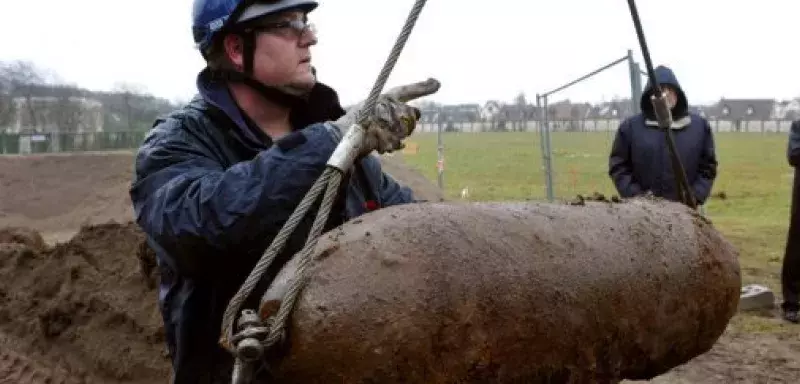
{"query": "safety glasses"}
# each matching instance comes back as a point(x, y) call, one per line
point(296, 27)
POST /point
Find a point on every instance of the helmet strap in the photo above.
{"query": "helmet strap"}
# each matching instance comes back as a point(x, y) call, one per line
point(248, 50)
point(271, 93)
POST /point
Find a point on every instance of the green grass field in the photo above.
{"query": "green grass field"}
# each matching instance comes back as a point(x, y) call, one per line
point(753, 174)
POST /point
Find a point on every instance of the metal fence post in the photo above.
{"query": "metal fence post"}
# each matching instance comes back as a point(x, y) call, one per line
point(633, 70)
point(440, 157)
point(548, 154)
point(540, 125)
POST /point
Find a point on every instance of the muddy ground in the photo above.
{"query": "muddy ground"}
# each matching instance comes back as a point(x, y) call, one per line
point(84, 310)
point(56, 194)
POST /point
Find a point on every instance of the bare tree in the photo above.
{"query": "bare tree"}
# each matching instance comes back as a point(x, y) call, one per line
point(22, 78)
point(521, 103)
point(7, 109)
point(18, 74)
point(129, 91)
point(69, 114)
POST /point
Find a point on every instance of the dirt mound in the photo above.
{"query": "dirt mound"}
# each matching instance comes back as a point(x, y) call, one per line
point(16, 368)
point(87, 305)
point(56, 193)
point(743, 358)
point(23, 236)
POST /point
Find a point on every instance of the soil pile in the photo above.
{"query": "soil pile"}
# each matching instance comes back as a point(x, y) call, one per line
point(87, 307)
point(59, 193)
point(22, 236)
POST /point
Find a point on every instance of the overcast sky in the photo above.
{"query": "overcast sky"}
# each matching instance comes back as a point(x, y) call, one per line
point(479, 52)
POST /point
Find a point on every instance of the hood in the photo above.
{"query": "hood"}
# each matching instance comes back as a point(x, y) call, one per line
point(216, 94)
point(665, 76)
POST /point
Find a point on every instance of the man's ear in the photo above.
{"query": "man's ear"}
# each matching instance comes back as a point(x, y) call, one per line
point(234, 49)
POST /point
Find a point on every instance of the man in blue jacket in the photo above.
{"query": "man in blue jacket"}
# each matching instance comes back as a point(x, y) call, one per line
point(640, 162)
point(790, 271)
point(216, 180)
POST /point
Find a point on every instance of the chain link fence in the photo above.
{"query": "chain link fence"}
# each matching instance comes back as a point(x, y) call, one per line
point(57, 142)
point(579, 155)
point(596, 125)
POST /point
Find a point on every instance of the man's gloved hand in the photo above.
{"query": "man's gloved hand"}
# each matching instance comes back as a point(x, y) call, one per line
point(390, 123)
point(392, 120)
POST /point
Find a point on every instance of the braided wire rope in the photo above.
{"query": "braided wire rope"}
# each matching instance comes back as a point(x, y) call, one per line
point(234, 305)
point(278, 325)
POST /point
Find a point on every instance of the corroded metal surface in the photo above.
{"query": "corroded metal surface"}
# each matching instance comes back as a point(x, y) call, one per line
point(511, 293)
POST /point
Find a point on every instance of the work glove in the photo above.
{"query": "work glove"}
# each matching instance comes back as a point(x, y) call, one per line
point(392, 120)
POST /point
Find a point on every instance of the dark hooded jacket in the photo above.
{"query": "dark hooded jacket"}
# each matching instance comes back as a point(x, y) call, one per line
point(211, 192)
point(790, 271)
point(640, 160)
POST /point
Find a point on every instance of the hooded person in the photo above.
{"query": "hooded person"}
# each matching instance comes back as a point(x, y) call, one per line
point(640, 162)
point(790, 270)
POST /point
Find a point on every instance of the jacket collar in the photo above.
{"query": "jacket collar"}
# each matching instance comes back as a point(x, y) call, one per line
point(217, 95)
point(677, 124)
point(323, 105)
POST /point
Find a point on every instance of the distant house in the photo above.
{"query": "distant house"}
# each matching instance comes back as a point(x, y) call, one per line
point(786, 110)
point(449, 117)
point(430, 112)
point(563, 110)
point(460, 113)
point(744, 109)
point(45, 114)
point(567, 116)
point(742, 113)
point(616, 109)
point(490, 110)
point(514, 112)
point(434, 113)
point(517, 115)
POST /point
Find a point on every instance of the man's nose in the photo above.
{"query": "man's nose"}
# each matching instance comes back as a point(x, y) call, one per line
point(309, 37)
